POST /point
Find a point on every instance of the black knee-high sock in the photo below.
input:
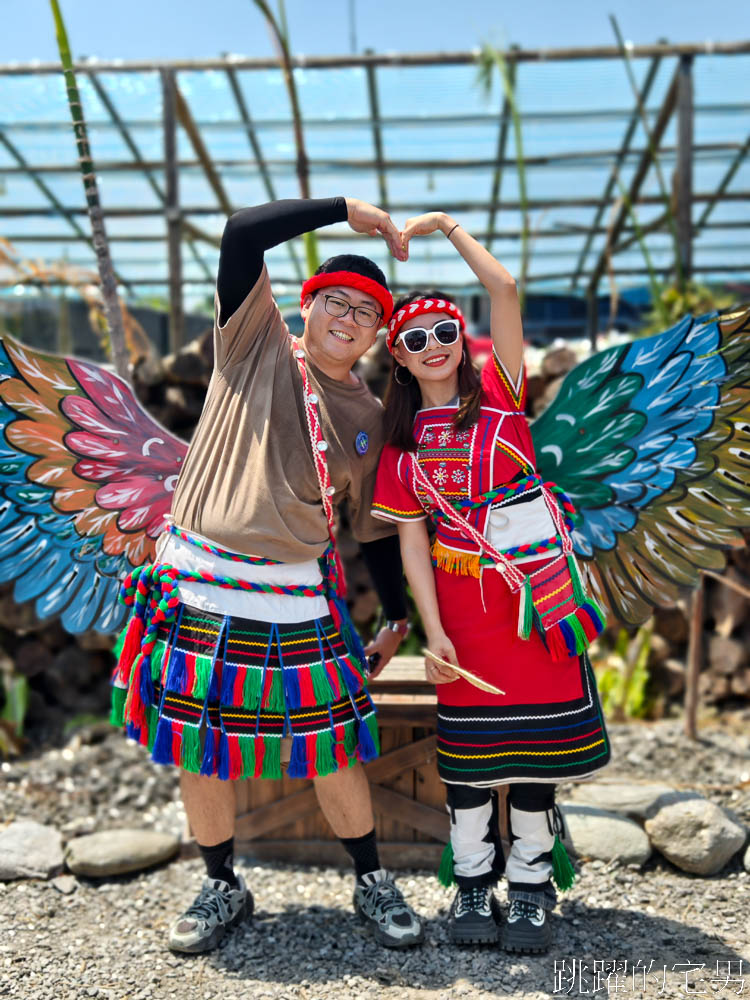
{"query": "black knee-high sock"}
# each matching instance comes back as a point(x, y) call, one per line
point(219, 860)
point(363, 851)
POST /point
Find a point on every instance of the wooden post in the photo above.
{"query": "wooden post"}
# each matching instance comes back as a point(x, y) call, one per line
point(592, 314)
point(694, 660)
point(172, 204)
point(684, 172)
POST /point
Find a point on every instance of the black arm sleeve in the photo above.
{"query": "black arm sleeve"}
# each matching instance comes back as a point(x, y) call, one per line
point(252, 231)
point(383, 560)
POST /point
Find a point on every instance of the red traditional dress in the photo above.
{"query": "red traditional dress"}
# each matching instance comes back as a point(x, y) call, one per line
point(548, 725)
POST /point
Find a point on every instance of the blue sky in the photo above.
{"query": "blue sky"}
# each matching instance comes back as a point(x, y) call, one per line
point(151, 29)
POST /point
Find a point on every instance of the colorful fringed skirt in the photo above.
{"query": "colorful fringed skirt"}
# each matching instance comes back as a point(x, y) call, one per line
point(547, 727)
point(219, 691)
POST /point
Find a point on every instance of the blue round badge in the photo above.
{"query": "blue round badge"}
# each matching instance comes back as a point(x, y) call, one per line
point(361, 443)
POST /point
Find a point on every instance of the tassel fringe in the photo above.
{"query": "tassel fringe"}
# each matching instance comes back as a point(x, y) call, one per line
point(573, 634)
point(460, 563)
point(446, 876)
point(368, 745)
point(563, 872)
point(117, 714)
point(201, 749)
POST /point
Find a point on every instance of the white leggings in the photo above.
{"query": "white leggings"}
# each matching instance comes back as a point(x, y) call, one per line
point(477, 852)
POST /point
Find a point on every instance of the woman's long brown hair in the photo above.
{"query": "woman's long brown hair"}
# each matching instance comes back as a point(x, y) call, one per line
point(402, 401)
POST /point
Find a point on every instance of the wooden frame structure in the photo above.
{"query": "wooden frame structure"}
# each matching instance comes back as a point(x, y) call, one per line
point(182, 221)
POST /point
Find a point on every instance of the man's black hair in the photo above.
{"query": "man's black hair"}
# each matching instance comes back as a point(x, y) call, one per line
point(353, 262)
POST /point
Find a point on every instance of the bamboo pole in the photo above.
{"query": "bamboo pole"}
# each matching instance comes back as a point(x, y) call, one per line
point(280, 37)
point(174, 217)
point(110, 297)
point(456, 58)
point(694, 660)
point(684, 171)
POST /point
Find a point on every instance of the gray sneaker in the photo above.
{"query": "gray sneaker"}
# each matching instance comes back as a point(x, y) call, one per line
point(383, 910)
point(215, 909)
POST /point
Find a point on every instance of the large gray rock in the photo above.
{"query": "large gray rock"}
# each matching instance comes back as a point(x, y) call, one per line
point(604, 836)
point(115, 852)
point(697, 836)
point(746, 860)
point(29, 850)
point(639, 801)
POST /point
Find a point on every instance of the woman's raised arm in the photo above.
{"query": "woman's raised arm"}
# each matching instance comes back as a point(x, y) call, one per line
point(505, 313)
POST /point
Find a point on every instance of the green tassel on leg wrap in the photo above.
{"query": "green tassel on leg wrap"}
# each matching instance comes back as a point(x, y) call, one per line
point(119, 697)
point(563, 872)
point(446, 876)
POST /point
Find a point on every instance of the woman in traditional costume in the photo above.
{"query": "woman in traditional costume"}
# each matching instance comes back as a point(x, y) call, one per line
point(499, 593)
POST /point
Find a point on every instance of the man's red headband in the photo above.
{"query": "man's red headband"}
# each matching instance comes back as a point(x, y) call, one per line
point(418, 308)
point(350, 279)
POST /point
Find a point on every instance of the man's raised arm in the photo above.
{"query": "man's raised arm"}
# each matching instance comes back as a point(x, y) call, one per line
point(251, 231)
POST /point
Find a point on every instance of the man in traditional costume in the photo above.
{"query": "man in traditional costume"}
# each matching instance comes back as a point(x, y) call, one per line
point(240, 653)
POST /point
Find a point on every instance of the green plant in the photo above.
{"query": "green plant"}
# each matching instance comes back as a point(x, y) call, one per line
point(622, 675)
point(13, 715)
point(672, 303)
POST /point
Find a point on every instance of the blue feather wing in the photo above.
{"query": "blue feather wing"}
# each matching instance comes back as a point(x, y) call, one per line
point(637, 436)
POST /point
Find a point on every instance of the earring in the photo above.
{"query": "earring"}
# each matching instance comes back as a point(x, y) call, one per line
point(397, 380)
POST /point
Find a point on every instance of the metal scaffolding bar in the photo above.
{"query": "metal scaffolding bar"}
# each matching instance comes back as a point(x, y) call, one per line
point(534, 278)
point(497, 234)
point(32, 174)
point(597, 115)
point(185, 119)
point(719, 194)
point(258, 153)
point(684, 172)
point(174, 224)
point(460, 58)
point(635, 185)
point(622, 153)
point(502, 139)
point(377, 141)
point(136, 153)
point(584, 159)
point(124, 212)
point(59, 209)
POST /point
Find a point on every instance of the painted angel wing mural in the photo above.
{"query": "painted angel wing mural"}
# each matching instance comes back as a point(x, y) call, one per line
point(86, 481)
point(651, 440)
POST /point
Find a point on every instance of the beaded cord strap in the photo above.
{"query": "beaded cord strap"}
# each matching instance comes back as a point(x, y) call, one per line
point(513, 577)
point(152, 592)
point(572, 621)
point(319, 447)
point(216, 550)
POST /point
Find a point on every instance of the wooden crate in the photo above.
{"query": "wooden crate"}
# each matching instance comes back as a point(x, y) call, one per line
point(281, 820)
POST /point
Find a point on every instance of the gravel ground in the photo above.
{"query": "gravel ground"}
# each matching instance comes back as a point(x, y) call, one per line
point(106, 939)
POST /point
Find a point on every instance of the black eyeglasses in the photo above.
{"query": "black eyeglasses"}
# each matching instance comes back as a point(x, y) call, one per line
point(363, 315)
point(416, 339)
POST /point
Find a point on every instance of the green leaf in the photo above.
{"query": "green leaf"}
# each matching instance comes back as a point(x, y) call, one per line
point(16, 702)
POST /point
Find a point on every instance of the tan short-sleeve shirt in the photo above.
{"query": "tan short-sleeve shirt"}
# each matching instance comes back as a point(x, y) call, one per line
point(248, 481)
